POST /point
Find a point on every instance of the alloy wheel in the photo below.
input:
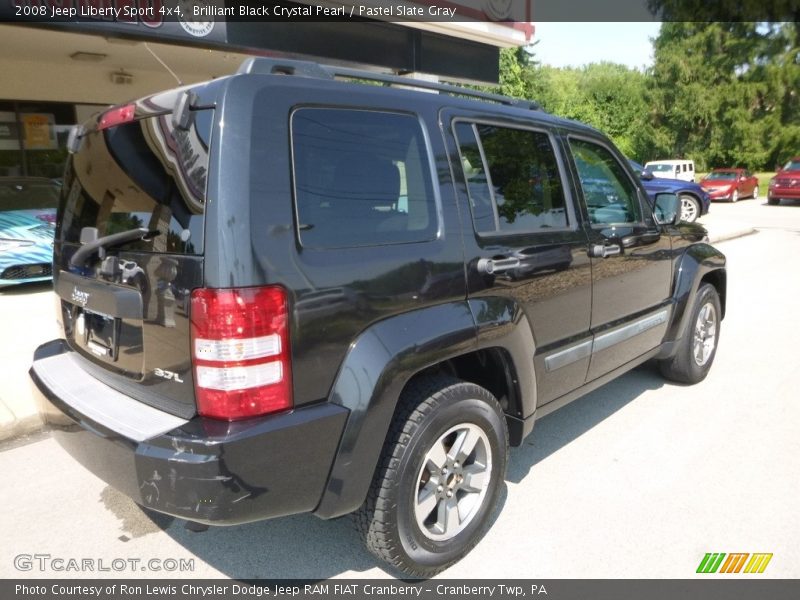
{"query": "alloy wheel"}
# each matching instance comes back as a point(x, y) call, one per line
point(452, 481)
point(689, 210)
point(705, 334)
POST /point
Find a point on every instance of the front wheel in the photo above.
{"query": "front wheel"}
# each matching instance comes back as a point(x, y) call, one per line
point(773, 201)
point(690, 209)
point(735, 196)
point(755, 193)
point(439, 477)
point(697, 348)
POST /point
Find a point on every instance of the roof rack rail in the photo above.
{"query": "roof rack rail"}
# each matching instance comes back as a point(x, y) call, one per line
point(276, 66)
point(302, 68)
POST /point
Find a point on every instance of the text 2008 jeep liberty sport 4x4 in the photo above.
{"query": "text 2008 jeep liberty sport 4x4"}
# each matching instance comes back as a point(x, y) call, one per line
point(281, 292)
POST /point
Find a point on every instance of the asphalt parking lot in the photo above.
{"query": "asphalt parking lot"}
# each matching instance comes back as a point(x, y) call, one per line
point(639, 479)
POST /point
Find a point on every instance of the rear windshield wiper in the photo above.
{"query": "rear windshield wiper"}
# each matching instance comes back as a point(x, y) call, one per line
point(92, 243)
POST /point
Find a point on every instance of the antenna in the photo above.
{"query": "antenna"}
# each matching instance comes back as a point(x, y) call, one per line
point(163, 64)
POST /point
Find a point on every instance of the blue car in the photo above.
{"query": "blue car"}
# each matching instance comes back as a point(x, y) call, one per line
point(27, 226)
point(694, 200)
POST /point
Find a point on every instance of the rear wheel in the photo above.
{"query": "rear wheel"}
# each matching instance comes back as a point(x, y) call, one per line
point(438, 480)
point(735, 196)
point(690, 209)
point(697, 349)
point(755, 193)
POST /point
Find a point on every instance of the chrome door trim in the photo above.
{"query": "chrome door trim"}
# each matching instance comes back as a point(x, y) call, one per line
point(576, 352)
point(606, 340)
point(568, 356)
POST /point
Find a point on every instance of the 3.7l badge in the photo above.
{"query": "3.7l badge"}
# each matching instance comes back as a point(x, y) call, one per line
point(171, 375)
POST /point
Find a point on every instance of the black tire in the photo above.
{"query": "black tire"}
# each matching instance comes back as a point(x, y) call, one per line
point(388, 521)
point(684, 366)
point(773, 201)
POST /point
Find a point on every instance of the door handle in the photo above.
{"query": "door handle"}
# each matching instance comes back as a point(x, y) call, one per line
point(604, 251)
point(490, 266)
point(649, 237)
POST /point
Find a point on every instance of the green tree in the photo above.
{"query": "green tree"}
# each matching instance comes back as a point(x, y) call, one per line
point(722, 94)
point(607, 96)
point(725, 94)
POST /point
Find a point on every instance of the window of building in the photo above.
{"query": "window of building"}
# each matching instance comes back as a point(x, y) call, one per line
point(361, 178)
point(33, 138)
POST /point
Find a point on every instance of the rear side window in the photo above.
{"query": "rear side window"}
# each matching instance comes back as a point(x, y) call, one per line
point(145, 174)
point(512, 178)
point(361, 178)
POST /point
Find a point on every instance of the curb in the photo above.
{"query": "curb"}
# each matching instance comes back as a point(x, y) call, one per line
point(730, 235)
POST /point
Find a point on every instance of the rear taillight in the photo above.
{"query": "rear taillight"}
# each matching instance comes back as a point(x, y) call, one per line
point(240, 350)
point(117, 116)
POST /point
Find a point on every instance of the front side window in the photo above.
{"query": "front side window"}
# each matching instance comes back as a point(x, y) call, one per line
point(512, 178)
point(609, 193)
point(362, 178)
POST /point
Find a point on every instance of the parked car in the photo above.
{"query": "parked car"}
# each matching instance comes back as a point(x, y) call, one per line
point(672, 169)
point(451, 324)
point(27, 224)
point(786, 183)
point(730, 184)
point(695, 201)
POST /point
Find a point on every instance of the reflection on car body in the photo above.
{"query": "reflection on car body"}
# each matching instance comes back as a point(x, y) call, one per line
point(695, 201)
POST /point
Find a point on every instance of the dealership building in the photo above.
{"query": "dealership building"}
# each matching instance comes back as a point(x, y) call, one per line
point(61, 70)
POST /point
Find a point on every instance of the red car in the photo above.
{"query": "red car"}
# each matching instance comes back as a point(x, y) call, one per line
point(786, 183)
point(730, 184)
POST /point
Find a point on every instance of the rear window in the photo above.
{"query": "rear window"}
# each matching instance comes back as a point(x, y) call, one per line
point(361, 178)
point(142, 174)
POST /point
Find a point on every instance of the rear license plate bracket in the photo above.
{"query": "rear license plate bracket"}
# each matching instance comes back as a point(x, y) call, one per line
point(101, 334)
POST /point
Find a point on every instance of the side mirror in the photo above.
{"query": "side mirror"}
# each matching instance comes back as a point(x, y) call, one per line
point(667, 208)
point(646, 175)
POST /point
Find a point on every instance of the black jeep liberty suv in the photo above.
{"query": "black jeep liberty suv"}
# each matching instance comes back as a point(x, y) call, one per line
point(285, 291)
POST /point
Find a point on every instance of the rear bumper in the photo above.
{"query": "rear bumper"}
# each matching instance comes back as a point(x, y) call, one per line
point(203, 470)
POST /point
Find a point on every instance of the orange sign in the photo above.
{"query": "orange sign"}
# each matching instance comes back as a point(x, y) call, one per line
point(39, 131)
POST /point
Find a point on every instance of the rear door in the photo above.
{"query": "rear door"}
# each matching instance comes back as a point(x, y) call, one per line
point(631, 258)
point(526, 242)
point(124, 306)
